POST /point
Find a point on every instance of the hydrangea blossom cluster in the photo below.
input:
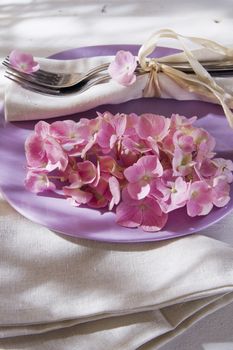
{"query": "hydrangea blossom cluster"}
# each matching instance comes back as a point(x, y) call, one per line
point(143, 167)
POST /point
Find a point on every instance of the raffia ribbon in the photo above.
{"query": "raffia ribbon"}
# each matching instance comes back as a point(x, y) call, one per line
point(200, 83)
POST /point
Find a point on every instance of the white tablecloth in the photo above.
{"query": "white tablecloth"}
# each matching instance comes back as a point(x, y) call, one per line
point(44, 27)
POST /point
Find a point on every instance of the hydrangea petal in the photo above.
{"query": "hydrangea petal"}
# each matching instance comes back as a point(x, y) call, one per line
point(35, 151)
point(145, 213)
point(114, 187)
point(139, 190)
point(42, 129)
point(87, 171)
point(153, 217)
point(80, 197)
point(55, 153)
point(200, 200)
point(128, 216)
point(123, 67)
point(23, 62)
point(38, 182)
point(152, 125)
point(221, 190)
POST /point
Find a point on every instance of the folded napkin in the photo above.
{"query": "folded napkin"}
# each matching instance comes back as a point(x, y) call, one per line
point(59, 292)
point(160, 80)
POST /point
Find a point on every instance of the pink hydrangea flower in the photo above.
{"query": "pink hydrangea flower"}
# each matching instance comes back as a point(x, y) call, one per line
point(45, 153)
point(182, 163)
point(122, 69)
point(76, 138)
point(152, 127)
point(109, 166)
point(145, 213)
point(141, 174)
point(101, 194)
point(38, 182)
point(208, 169)
point(35, 152)
point(23, 62)
point(202, 137)
point(136, 145)
point(77, 195)
point(179, 121)
point(224, 167)
point(171, 194)
point(56, 157)
point(184, 142)
point(190, 139)
point(200, 201)
point(68, 133)
point(85, 173)
point(112, 130)
point(220, 191)
point(179, 194)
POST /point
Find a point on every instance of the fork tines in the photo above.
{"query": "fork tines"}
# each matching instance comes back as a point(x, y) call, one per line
point(30, 85)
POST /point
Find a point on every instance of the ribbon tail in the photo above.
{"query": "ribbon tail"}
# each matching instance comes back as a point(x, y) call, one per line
point(207, 89)
point(226, 109)
point(201, 83)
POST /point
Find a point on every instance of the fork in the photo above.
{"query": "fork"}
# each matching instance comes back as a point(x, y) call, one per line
point(80, 88)
point(57, 80)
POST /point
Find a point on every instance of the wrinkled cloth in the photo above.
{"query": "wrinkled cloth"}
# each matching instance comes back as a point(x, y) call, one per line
point(59, 292)
point(21, 104)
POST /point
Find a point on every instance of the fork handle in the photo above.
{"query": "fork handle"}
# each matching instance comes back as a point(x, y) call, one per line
point(211, 66)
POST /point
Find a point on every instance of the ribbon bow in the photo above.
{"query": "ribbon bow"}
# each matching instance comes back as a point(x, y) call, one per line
point(200, 83)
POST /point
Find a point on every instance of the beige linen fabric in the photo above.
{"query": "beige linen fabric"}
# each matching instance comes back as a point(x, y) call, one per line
point(59, 292)
point(21, 104)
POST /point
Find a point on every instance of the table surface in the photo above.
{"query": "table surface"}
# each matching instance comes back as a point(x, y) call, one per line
point(44, 27)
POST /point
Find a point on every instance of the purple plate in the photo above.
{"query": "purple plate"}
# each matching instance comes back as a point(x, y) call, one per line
point(56, 214)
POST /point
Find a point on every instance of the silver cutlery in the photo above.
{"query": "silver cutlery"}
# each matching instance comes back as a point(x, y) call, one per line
point(80, 88)
point(56, 79)
point(53, 83)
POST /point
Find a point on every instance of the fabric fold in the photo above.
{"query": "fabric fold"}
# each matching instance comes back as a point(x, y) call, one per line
point(21, 104)
point(67, 291)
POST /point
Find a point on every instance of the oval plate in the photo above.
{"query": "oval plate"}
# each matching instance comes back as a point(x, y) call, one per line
point(56, 213)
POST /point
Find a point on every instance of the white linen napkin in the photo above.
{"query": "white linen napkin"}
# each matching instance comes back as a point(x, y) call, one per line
point(59, 292)
point(21, 104)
